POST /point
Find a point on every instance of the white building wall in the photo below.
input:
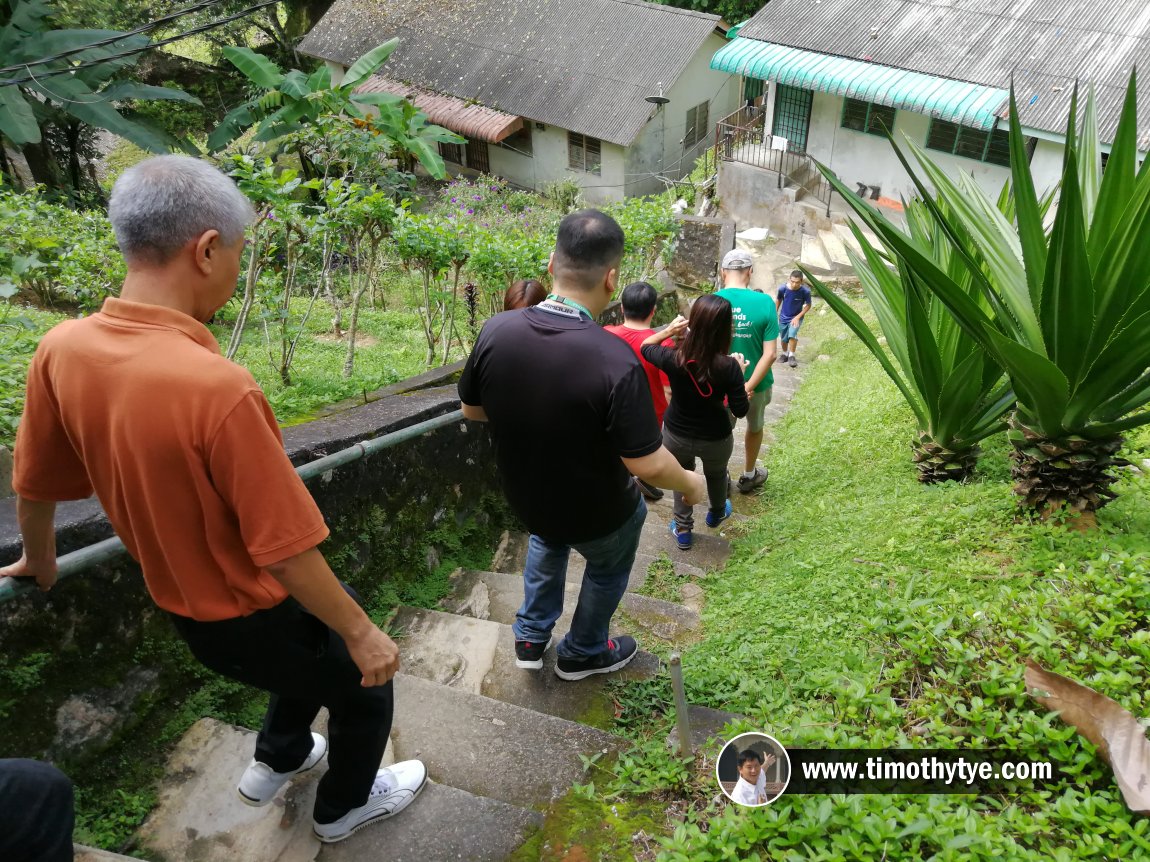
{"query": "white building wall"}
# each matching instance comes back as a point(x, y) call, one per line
point(548, 164)
point(857, 157)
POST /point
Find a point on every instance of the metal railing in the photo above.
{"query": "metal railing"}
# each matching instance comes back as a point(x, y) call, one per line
point(110, 549)
point(742, 137)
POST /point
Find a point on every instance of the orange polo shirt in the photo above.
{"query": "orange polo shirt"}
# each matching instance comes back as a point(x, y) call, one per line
point(180, 447)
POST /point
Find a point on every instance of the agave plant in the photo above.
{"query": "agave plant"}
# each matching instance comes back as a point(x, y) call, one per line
point(1065, 312)
point(956, 391)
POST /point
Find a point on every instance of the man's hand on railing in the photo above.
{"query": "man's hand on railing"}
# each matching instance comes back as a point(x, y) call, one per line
point(42, 572)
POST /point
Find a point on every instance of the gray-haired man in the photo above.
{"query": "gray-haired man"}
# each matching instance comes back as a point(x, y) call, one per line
point(136, 404)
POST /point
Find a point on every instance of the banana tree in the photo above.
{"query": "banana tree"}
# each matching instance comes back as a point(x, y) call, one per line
point(290, 100)
point(956, 391)
point(1064, 312)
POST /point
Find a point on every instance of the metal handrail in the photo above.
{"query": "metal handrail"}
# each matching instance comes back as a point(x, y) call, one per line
point(110, 549)
point(748, 126)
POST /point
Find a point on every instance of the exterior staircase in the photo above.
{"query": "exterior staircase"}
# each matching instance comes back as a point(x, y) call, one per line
point(500, 743)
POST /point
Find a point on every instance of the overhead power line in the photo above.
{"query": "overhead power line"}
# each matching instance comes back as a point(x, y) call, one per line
point(119, 37)
point(131, 52)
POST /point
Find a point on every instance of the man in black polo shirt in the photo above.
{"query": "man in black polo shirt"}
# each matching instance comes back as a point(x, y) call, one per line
point(571, 412)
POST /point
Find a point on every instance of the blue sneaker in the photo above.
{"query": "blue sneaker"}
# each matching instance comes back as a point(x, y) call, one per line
point(713, 522)
point(682, 537)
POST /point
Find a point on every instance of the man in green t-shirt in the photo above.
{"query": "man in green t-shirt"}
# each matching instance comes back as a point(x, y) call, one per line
point(756, 324)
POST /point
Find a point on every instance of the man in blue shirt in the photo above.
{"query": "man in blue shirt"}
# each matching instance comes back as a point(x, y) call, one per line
point(792, 304)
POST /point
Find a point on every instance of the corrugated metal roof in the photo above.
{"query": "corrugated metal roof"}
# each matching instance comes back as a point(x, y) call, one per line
point(466, 118)
point(584, 65)
point(955, 101)
point(1043, 45)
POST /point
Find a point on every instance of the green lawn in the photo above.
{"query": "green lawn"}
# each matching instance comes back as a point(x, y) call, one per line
point(862, 609)
point(390, 348)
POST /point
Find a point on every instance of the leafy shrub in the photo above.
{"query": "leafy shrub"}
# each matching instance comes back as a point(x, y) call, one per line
point(54, 256)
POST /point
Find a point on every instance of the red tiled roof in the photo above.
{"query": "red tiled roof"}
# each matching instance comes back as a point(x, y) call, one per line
point(465, 118)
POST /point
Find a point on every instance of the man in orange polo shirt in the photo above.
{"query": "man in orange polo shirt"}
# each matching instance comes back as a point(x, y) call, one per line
point(181, 448)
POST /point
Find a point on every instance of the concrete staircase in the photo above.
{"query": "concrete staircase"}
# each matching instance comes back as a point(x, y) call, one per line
point(500, 743)
point(825, 251)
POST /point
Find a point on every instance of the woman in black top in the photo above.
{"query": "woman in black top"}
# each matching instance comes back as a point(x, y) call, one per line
point(705, 382)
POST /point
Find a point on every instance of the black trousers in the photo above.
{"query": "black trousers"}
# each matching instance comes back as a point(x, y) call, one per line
point(304, 665)
point(36, 812)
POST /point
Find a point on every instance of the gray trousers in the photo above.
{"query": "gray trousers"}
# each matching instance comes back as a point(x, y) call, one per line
point(715, 454)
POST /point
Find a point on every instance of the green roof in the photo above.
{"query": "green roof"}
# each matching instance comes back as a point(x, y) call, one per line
point(944, 98)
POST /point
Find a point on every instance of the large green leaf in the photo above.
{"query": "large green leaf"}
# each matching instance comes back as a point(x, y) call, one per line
point(925, 365)
point(429, 157)
point(1027, 211)
point(995, 239)
point(17, 121)
point(1118, 180)
point(884, 291)
point(1067, 309)
point(1042, 389)
point(856, 324)
point(1089, 157)
point(957, 410)
point(256, 68)
point(376, 100)
point(132, 90)
point(231, 127)
point(366, 66)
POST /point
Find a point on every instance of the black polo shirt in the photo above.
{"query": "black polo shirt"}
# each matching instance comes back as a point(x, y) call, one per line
point(566, 400)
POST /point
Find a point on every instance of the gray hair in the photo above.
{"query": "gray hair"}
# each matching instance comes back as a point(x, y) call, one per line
point(162, 203)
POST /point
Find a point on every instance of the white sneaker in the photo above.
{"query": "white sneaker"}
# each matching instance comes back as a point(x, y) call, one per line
point(260, 783)
point(395, 788)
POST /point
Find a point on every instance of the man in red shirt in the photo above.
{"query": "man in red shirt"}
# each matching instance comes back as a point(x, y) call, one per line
point(639, 300)
point(137, 405)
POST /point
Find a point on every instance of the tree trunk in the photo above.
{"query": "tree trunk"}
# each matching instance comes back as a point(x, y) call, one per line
point(246, 304)
point(349, 362)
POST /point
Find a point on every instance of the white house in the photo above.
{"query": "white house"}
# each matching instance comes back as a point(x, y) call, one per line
point(615, 94)
point(841, 72)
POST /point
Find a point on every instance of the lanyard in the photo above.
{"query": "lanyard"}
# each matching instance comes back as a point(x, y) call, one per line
point(570, 303)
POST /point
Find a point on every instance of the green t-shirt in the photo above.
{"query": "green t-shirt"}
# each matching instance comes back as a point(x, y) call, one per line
point(756, 322)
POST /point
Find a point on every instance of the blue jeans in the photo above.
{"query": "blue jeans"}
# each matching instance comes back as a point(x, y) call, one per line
point(609, 560)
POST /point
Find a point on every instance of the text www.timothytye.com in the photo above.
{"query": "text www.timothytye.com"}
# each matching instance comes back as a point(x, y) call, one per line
point(914, 771)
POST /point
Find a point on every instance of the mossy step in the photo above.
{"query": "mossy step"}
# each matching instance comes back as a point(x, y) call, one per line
point(478, 656)
point(200, 817)
point(491, 748)
point(498, 595)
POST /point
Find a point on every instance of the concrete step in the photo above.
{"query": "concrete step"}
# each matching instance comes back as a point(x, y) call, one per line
point(497, 596)
point(814, 256)
point(844, 233)
point(200, 817)
point(491, 748)
point(834, 247)
point(708, 552)
point(512, 555)
point(93, 854)
point(443, 823)
point(478, 656)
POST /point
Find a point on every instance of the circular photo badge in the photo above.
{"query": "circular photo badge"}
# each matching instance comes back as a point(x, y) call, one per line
point(753, 769)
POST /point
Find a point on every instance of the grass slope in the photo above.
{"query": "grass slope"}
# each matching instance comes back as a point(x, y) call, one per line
point(862, 609)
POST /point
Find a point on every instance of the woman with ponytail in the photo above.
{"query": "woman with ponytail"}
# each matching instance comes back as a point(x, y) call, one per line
point(706, 388)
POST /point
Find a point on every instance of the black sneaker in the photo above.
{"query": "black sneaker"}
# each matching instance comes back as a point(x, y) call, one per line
point(529, 656)
point(794, 363)
point(619, 652)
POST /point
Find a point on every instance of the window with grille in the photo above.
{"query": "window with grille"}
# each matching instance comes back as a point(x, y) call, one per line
point(867, 117)
point(992, 147)
point(451, 153)
point(696, 125)
point(477, 156)
point(584, 153)
point(520, 142)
